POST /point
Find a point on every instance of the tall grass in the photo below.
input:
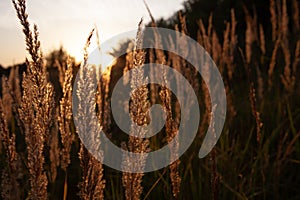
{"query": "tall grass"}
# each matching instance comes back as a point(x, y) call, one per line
point(258, 153)
point(36, 107)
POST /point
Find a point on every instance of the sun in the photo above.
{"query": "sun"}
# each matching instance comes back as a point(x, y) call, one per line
point(104, 60)
point(78, 57)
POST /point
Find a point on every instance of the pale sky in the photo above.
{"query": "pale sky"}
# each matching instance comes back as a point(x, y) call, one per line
point(68, 23)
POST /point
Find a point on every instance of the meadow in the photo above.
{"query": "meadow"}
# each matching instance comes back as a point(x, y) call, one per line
point(256, 157)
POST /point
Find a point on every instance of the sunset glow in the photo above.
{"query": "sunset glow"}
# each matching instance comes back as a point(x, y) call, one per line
point(68, 22)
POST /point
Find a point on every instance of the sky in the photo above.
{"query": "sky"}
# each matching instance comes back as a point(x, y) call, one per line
point(68, 23)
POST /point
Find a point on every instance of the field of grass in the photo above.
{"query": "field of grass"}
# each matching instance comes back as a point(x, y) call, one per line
point(256, 157)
